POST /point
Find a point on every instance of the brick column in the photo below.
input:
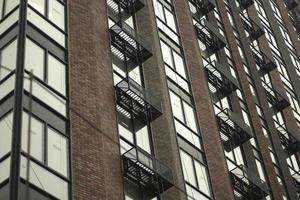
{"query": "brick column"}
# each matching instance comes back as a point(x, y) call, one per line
point(95, 158)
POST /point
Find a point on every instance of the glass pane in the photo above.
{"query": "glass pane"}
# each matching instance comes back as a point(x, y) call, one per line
point(56, 74)
point(176, 106)
point(39, 5)
point(170, 20)
point(4, 169)
point(45, 180)
point(193, 194)
point(167, 54)
point(179, 64)
point(34, 59)
point(37, 137)
point(142, 139)
point(124, 132)
point(57, 152)
point(46, 27)
point(45, 95)
point(57, 13)
point(190, 116)
point(202, 178)
point(10, 4)
point(8, 59)
point(1, 8)
point(188, 168)
point(5, 134)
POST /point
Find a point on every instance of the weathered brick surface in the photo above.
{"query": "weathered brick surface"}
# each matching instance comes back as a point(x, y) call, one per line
point(95, 159)
point(212, 144)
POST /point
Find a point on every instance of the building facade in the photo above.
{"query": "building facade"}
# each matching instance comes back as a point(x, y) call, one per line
point(149, 99)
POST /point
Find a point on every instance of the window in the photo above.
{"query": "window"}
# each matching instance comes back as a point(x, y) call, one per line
point(39, 5)
point(195, 173)
point(176, 106)
point(35, 59)
point(8, 59)
point(183, 111)
point(36, 137)
point(55, 12)
point(47, 145)
point(57, 152)
point(10, 5)
point(5, 134)
point(54, 76)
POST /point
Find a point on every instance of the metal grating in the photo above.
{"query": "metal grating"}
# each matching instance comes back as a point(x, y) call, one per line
point(203, 7)
point(253, 29)
point(234, 132)
point(244, 4)
point(210, 36)
point(265, 64)
point(289, 139)
point(147, 172)
point(222, 80)
point(277, 98)
point(126, 40)
point(290, 4)
point(248, 184)
point(131, 6)
point(134, 99)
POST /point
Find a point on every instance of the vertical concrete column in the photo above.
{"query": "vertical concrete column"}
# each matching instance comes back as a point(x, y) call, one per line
point(96, 156)
point(163, 129)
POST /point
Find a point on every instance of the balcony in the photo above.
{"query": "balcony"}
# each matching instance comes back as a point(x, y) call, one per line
point(221, 79)
point(265, 64)
point(290, 4)
point(248, 184)
point(296, 179)
point(210, 36)
point(127, 42)
point(131, 6)
point(134, 99)
point(253, 29)
point(289, 139)
point(277, 98)
point(203, 7)
point(234, 131)
point(146, 171)
point(244, 4)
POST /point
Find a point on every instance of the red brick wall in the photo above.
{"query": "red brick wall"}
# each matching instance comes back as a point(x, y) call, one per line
point(95, 158)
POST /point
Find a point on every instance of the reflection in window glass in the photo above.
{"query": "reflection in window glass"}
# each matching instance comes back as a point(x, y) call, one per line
point(57, 13)
point(4, 169)
point(56, 74)
point(5, 134)
point(188, 168)
point(202, 178)
point(176, 106)
point(190, 116)
point(8, 58)
point(57, 152)
point(45, 180)
point(9, 5)
point(34, 59)
point(36, 135)
point(167, 54)
point(39, 5)
point(142, 139)
point(1, 8)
